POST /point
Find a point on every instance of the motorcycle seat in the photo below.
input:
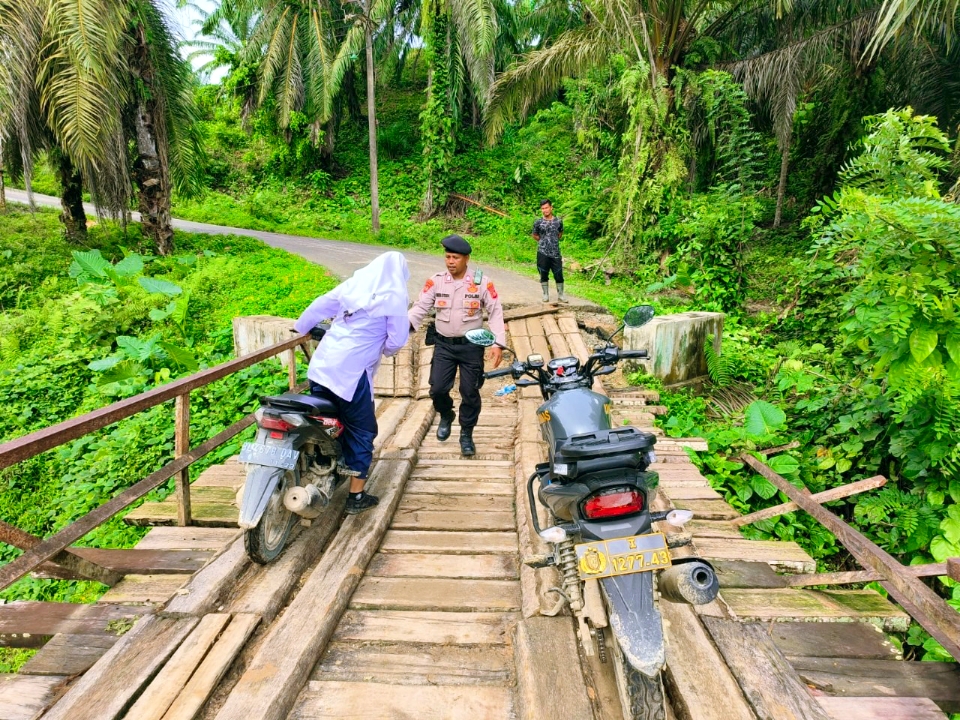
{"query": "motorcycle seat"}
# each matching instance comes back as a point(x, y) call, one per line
point(305, 404)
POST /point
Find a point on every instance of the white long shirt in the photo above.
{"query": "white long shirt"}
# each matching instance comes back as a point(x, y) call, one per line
point(353, 345)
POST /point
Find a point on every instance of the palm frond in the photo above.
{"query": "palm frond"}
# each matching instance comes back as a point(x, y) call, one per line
point(917, 15)
point(541, 73)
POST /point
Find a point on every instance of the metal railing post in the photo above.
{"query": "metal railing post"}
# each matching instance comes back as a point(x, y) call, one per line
point(182, 447)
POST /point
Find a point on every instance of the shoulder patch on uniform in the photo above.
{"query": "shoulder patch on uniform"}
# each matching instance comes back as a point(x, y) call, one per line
point(427, 285)
point(491, 289)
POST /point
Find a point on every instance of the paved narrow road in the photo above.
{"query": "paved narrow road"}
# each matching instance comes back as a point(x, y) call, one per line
point(342, 258)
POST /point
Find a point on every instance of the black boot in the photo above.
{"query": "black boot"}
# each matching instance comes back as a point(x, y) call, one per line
point(467, 448)
point(443, 429)
point(360, 502)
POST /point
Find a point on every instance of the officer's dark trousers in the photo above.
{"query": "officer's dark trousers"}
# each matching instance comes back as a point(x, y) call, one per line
point(359, 424)
point(446, 360)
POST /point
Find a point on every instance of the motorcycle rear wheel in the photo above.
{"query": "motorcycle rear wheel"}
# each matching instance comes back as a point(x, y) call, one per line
point(266, 541)
point(641, 696)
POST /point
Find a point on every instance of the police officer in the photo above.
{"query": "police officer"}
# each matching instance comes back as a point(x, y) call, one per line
point(459, 297)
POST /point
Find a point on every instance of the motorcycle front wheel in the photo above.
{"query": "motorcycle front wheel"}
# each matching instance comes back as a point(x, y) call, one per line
point(641, 696)
point(265, 542)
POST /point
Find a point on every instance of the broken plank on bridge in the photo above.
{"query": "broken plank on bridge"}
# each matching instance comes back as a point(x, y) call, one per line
point(24, 697)
point(767, 680)
point(30, 623)
point(107, 689)
point(939, 681)
point(788, 604)
point(133, 560)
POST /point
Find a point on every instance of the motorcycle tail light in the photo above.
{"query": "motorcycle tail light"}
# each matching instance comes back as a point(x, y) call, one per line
point(613, 503)
point(334, 426)
point(272, 422)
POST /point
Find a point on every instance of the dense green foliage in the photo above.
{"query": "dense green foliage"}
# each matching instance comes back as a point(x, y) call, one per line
point(77, 335)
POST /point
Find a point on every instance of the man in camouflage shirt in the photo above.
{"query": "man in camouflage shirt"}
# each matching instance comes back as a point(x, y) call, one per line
point(547, 231)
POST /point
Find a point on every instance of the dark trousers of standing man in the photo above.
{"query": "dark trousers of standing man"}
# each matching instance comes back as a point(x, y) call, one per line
point(449, 354)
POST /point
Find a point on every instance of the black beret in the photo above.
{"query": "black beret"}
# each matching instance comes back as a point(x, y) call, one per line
point(456, 244)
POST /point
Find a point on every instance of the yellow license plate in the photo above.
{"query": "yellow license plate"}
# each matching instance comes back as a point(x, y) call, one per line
point(622, 556)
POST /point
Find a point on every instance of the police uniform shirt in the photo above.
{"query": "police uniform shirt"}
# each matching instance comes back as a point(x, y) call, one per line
point(459, 304)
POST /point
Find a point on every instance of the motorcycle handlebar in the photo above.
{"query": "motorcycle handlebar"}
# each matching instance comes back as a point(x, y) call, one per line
point(498, 373)
point(627, 354)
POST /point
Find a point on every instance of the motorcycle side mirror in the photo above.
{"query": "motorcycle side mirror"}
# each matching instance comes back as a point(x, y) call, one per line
point(485, 338)
point(638, 315)
point(481, 337)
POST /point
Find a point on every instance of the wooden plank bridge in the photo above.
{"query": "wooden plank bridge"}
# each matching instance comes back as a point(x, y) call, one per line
point(421, 607)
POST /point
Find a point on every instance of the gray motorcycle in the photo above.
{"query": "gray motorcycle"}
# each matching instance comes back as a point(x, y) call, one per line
point(291, 468)
point(598, 488)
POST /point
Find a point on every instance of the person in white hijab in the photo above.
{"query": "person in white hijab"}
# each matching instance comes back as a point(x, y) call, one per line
point(369, 314)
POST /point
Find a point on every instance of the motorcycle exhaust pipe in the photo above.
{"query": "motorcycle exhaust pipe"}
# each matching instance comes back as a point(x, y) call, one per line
point(693, 582)
point(307, 502)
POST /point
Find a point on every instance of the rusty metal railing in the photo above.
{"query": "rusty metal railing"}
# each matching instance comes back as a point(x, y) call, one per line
point(55, 548)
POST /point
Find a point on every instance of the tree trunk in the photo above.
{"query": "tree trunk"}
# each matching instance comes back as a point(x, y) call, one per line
point(150, 169)
point(782, 187)
point(72, 216)
point(3, 189)
point(372, 125)
point(154, 195)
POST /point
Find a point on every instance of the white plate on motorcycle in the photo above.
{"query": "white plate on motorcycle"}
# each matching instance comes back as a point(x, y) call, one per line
point(269, 455)
point(622, 556)
point(481, 336)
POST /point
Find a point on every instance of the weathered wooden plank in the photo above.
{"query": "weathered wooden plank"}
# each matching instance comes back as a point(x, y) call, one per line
point(476, 473)
point(695, 492)
point(134, 560)
point(207, 587)
point(266, 587)
point(452, 452)
point(462, 462)
point(521, 313)
point(843, 640)
point(863, 576)
point(145, 589)
point(708, 509)
point(416, 664)
point(334, 700)
point(713, 529)
point(191, 538)
point(213, 668)
point(389, 421)
point(230, 476)
point(458, 543)
point(29, 623)
point(938, 681)
point(740, 574)
point(425, 627)
point(108, 687)
point(25, 697)
point(68, 654)
point(550, 683)
point(767, 680)
point(452, 520)
point(789, 604)
point(165, 513)
point(782, 555)
point(821, 497)
point(283, 661)
point(454, 488)
point(436, 594)
point(880, 708)
point(492, 567)
point(698, 693)
point(163, 690)
point(462, 503)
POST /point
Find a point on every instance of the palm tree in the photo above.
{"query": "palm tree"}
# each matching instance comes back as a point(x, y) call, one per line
point(96, 77)
point(918, 15)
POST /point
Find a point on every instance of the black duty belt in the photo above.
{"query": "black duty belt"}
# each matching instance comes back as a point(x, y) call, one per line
point(452, 340)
